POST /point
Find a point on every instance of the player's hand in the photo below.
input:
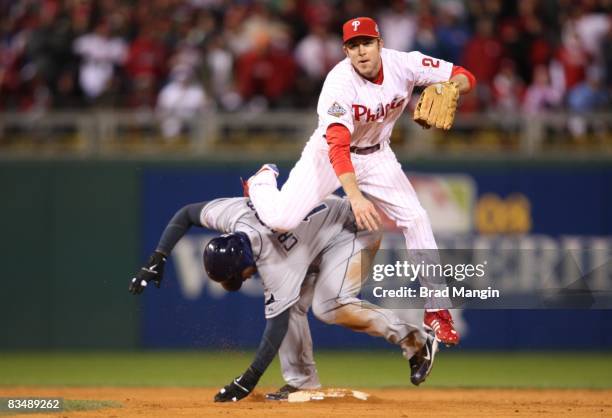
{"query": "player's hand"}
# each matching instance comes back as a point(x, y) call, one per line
point(239, 388)
point(153, 271)
point(366, 215)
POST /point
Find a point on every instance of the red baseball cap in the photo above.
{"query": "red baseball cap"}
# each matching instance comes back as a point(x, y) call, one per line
point(360, 26)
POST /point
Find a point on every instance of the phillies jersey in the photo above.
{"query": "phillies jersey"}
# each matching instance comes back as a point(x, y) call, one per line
point(368, 110)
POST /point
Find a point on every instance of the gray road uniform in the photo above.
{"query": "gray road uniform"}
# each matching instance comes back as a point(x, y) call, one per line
point(317, 264)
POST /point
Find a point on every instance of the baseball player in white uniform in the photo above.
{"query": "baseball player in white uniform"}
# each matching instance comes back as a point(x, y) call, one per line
point(362, 98)
point(318, 264)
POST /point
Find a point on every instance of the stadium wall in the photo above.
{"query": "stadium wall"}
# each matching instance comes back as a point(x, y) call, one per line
point(70, 235)
point(74, 231)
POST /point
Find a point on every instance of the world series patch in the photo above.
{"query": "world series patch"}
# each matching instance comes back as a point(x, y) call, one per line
point(336, 110)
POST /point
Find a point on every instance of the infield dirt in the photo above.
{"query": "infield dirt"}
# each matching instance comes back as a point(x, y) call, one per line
point(410, 402)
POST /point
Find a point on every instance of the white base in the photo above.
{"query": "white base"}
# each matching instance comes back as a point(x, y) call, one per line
point(321, 394)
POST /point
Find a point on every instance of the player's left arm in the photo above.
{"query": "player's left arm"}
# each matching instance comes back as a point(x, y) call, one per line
point(445, 82)
point(462, 83)
point(424, 70)
point(464, 79)
point(243, 385)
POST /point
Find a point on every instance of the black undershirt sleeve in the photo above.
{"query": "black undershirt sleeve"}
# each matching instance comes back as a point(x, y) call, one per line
point(183, 219)
point(271, 340)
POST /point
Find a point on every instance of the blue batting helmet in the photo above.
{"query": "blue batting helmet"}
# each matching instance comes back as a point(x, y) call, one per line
point(226, 257)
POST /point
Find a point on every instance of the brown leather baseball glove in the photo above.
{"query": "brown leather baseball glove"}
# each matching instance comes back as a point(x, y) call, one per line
point(437, 105)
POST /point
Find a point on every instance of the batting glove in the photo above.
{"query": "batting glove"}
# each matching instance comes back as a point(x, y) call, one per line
point(153, 271)
point(240, 388)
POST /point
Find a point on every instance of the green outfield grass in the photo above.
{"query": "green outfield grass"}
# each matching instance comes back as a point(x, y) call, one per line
point(354, 369)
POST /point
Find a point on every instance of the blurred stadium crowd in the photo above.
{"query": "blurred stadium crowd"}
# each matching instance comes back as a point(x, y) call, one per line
point(156, 54)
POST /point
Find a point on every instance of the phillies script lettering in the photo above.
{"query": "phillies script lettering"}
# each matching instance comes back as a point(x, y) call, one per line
point(360, 111)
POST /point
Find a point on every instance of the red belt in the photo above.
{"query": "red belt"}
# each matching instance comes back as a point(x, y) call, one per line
point(365, 150)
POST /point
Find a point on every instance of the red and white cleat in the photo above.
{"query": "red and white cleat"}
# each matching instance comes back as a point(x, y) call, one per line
point(245, 183)
point(441, 323)
point(269, 166)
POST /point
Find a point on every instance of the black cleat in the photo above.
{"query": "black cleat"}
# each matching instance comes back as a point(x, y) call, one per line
point(422, 362)
point(282, 394)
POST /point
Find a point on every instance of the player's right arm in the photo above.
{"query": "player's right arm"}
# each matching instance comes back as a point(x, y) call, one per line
point(153, 270)
point(219, 215)
point(335, 113)
point(365, 213)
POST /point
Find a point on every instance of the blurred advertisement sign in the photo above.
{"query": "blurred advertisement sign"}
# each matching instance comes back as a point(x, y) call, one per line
point(494, 209)
point(449, 200)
